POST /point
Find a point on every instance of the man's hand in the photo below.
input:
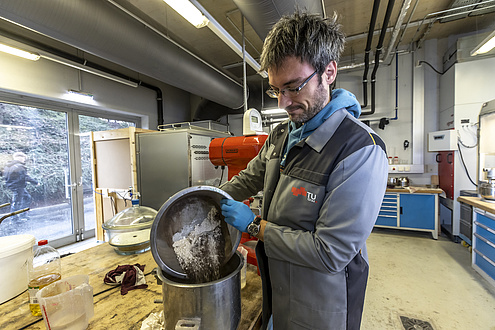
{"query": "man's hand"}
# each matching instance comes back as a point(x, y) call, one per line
point(236, 214)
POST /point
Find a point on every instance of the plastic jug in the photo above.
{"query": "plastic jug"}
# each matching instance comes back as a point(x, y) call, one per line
point(67, 303)
point(43, 269)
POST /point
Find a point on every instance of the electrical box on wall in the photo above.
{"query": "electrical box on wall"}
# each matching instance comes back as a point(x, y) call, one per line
point(442, 140)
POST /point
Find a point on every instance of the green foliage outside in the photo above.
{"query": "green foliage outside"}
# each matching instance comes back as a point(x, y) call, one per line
point(43, 136)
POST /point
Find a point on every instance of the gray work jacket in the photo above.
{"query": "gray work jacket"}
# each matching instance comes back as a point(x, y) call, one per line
point(320, 208)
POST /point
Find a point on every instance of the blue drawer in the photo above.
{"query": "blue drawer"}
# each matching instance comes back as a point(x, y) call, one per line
point(385, 221)
point(485, 231)
point(391, 213)
point(485, 248)
point(484, 264)
point(483, 219)
point(389, 204)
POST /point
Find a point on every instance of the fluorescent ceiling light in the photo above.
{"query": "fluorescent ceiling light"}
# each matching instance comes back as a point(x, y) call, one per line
point(273, 112)
point(485, 46)
point(189, 12)
point(216, 28)
point(19, 52)
point(78, 96)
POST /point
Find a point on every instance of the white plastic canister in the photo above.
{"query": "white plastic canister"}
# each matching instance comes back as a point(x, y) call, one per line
point(15, 252)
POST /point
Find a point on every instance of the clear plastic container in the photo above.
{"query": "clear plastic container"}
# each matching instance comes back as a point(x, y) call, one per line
point(129, 230)
point(67, 304)
point(44, 269)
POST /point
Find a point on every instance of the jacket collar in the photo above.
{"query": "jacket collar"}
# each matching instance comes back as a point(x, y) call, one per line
point(324, 133)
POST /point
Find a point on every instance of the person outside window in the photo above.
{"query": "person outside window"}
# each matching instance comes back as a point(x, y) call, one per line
point(323, 174)
point(16, 178)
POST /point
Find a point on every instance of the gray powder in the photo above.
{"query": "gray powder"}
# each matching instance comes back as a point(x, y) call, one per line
point(201, 251)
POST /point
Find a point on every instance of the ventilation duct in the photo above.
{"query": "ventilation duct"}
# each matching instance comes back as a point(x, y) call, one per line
point(262, 14)
point(99, 28)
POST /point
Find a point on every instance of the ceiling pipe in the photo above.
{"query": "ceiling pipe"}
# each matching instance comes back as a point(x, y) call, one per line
point(374, 14)
point(395, 32)
point(388, 13)
point(99, 28)
point(431, 21)
point(427, 31)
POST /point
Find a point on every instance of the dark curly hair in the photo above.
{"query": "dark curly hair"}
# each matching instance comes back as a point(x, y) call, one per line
point(310, 37)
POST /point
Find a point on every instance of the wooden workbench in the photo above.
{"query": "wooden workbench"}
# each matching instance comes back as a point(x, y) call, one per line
point(112, 310)
point(478, 202)
point(415, 189)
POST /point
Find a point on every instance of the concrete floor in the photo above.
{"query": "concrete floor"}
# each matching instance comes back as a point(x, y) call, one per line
point(414, 276)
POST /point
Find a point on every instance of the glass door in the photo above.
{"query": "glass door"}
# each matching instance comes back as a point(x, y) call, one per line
point(34, 157)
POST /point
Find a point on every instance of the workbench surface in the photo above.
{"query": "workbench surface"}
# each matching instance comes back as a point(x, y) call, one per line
point(478, 202)
point(113, 310)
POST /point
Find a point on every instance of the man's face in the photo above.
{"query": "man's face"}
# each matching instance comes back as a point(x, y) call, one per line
point(311, 98)
point(21, 159)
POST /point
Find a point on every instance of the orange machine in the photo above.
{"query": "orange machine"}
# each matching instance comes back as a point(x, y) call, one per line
point(235, 152)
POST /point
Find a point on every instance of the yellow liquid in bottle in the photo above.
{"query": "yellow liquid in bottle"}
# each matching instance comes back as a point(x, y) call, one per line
point(37, 284)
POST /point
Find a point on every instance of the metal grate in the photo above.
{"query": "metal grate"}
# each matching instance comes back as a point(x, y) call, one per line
point(415, 324)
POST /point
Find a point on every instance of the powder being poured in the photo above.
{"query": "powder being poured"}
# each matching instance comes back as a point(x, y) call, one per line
point(201, 251)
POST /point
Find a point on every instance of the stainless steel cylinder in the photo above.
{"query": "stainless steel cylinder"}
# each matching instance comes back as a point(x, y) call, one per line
point(211, 305)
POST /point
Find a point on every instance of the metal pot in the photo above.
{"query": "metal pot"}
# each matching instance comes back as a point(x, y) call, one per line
point(392, 182)
point(487, 191)
point(403, 181)
point(211, 305)
point(184, 210)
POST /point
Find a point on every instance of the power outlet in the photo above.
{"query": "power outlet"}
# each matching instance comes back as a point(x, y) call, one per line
point(431, 168)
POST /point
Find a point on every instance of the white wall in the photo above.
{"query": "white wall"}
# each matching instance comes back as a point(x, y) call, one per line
point(400, 129)
point(48, 80)
point(474, 83)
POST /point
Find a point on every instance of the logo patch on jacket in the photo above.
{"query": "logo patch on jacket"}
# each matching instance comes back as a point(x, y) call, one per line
point(302, 191)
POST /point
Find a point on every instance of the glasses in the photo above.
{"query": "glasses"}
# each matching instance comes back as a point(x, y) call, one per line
point(290, 92)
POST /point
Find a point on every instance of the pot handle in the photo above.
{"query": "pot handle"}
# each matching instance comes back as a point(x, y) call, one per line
point(155, 273)
point(188, 324)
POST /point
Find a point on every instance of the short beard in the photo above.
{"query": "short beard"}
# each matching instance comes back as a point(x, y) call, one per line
point(320, 100)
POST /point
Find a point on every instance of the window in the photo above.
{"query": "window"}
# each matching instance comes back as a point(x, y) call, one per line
point(46, 185)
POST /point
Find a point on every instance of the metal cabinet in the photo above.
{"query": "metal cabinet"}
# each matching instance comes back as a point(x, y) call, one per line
point(171, 160)
point(389, 211)
point(410, 212)
point(483, 258)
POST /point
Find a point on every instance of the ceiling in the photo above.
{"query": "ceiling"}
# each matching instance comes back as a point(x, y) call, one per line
point(418, 20)
point(354, 16)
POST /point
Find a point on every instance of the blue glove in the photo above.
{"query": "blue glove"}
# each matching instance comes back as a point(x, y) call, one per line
point(236, 214)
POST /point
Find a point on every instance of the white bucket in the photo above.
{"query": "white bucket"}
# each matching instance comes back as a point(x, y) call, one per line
point(15, 252)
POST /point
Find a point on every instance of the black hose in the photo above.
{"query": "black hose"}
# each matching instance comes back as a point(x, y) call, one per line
point(386, 20)
point(374, 14)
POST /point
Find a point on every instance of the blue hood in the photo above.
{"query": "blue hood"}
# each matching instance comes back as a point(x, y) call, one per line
point(341, 99)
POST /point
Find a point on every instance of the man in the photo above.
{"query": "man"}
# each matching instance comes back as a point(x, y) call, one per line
point(16, 178)
point(323, 175)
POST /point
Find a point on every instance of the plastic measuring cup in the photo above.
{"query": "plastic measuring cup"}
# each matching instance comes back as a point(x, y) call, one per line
point(67, 303)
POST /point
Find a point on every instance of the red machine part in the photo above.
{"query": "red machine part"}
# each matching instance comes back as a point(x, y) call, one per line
point(235, 152)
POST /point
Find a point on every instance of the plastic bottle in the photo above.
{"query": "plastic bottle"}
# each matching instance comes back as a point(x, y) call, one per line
point(44, 269)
